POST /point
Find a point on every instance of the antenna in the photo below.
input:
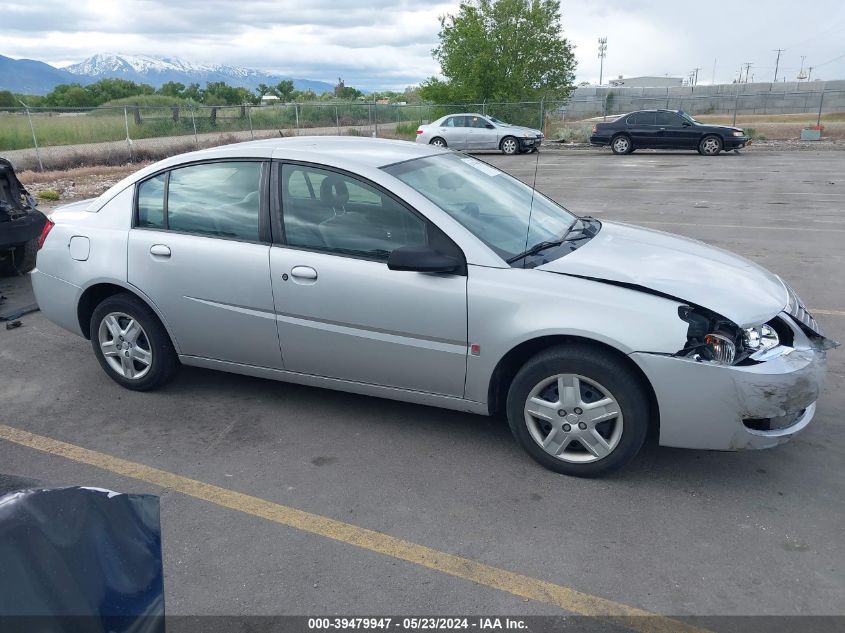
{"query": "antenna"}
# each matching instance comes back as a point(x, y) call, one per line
point(531, 206)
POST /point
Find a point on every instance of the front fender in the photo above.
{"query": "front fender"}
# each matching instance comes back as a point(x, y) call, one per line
point(507, 307)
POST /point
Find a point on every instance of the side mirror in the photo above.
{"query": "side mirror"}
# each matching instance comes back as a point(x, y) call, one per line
point(490, 126)
point(421, 259)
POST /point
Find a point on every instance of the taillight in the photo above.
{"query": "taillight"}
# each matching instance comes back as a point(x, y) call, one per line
point(595, 129)
point(48, 226)
point(419, 131)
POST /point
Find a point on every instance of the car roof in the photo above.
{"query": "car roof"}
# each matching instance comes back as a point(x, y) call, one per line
point(369, 152)
point(484, 116)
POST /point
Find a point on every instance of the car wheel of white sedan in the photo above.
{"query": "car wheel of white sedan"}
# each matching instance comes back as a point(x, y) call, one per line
point(438, 142)
point(131, 344)
point(577, 410)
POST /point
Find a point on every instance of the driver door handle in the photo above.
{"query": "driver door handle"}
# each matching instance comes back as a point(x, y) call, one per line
point(303, 272)
point(160, 250)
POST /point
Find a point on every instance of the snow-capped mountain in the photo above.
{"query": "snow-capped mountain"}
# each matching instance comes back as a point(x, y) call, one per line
point(156, 70)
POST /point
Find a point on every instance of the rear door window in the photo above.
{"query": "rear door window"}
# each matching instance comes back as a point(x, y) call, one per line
point(641, 118)
point(219, 199)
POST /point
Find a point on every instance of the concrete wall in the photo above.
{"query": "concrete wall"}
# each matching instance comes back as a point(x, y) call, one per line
point(756, 98)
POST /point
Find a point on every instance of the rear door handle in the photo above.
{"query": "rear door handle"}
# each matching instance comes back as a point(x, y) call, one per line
point(303, 272)
point(161, 250)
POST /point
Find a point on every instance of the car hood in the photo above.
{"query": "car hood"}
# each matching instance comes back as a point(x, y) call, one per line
point(687, 269)
point(727, 128)
point(518, 129)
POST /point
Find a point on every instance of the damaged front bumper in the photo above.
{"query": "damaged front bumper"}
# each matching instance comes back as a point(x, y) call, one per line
point(738, 407)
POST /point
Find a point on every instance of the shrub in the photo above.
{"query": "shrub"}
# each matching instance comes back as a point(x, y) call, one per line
point(48, 194)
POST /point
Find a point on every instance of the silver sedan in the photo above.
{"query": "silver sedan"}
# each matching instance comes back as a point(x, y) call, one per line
point(411, 272)
point(473, 131)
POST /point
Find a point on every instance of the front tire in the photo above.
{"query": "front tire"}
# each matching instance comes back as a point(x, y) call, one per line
point(710, 145)
point(509, 146)
point(131, 344)
point(578, 410)
point(621, 144)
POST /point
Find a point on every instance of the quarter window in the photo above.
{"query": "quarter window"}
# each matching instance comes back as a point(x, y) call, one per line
point(151, 203)
point(336, 213)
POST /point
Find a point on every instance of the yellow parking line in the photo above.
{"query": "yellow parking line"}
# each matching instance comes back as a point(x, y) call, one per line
point(566, 598)
point(830, 312)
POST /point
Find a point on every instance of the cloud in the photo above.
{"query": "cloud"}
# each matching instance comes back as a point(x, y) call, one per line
point(387, 43)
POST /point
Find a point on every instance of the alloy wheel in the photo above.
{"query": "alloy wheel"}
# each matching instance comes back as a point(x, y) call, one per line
point(509, 146)
point(710, 146)
point(573, 418)
point(125, 345)
point(621, 145)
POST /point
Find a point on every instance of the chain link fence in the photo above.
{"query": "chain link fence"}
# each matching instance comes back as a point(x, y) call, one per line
point(45, 138)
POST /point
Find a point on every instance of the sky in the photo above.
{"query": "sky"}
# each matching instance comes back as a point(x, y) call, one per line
point(387, 43)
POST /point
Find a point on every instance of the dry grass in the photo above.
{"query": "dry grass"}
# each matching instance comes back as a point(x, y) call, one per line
point(79, 182)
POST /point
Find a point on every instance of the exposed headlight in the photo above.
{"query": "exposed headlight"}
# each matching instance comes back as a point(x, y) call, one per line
point(760, 338)
point(718, 349)
point(739, 133)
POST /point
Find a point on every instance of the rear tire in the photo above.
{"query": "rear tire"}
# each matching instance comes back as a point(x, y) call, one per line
point(131, 344)
point(438, 142)
point(564, 386)
point(621, 144)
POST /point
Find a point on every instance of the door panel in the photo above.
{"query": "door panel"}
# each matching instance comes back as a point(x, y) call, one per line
point(454, 132)
point(357, 320)
point(642, 129)
point(215, 294)
point(673, 134)
point(479, 136)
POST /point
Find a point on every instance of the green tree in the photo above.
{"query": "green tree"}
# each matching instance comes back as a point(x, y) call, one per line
point(172, 89)
point(264, 89)
point(69, 96)
point(8, 100)
point(502, 50)
point(284, 90)
point(110, 89)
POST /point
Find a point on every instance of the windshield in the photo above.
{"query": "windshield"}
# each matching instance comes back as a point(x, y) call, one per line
point(492, 205)
point(687, 117)
point(495, 120)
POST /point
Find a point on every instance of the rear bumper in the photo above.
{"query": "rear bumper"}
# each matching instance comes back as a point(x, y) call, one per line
point(741, 407)
point(599, 140)
point(57, 300)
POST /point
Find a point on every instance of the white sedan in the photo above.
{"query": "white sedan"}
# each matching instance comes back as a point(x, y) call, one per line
point(473, 131)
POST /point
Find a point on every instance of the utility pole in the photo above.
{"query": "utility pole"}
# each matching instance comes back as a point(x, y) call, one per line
point(695, 80)
point(602, 55)
point(801, 74)
point(777, 62)
point(747, 66)
point(810, 74)
point(713, 79)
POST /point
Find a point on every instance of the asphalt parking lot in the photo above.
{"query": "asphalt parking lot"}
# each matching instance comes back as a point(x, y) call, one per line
point(677, 533)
